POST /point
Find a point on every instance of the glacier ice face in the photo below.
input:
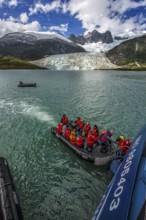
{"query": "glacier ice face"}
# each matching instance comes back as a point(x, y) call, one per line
point(76, 61)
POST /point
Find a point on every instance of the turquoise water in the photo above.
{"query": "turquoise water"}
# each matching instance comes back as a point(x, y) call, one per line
point(51, 181)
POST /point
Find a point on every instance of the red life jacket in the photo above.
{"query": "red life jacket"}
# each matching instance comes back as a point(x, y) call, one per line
point(103, 136)
point(81, 124)
point(77, 121)
point(64, 120)
point(79, 141)
point(96, 137)
point(59, 128)
point(90, 140)
point(67, 135)
point(95, 130)
point(87, 128)
point(124, 145)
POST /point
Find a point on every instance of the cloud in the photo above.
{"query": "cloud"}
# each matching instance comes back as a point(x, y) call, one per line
point(121, 7)
point(105, 15)
point(45, 8)
point(113, 15)
point(12, 3)
point(23, 17)
point(1, 2)
point(89, 12)
point(9, 3)
point(10, 25)
point(11, 18)
point(61, 28)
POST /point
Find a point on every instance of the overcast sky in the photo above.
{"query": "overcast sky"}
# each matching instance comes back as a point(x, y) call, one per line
point(73, 16)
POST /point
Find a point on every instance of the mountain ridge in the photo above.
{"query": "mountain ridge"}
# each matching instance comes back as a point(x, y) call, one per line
point(130, 54)
point(31, 46)
point(28, 47)
point(92, 37)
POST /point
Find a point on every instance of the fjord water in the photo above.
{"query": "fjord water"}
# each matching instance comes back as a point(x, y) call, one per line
point(52, 182)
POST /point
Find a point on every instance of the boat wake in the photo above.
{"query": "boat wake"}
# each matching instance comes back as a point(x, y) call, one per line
point(36, 112)
point(27, 109)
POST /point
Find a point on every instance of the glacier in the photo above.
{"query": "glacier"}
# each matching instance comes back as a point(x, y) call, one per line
point(76, 61)
point(93, 59)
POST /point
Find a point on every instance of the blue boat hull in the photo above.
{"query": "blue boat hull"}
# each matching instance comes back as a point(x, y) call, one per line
point(125, 196)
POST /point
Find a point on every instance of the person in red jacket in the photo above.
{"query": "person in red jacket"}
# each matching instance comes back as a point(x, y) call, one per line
point(81, 125)
point(87, 127)
point(90, 141)
point(95, 130)
point(96, 138)
point(123, 144)
point(59, 128)
point(79, 141)
point(105, 139)
point(68, 132)
point(64, 119)
point(77, 121)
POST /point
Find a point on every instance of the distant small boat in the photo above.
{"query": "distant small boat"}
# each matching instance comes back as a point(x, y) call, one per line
point(27, 85)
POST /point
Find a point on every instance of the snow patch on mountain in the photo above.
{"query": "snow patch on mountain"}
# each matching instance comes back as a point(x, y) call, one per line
point(47, 35)
point(103, 47)
point(130, 34)
point(89, 47)
point(100, 47)
point(76, 61)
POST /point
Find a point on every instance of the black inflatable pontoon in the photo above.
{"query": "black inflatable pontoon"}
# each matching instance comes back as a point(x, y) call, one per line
point(95, 156)
point(9, 206)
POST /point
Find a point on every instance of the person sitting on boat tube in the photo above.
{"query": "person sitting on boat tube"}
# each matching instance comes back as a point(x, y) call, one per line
point(59, 128)
point(95, 130)
point(90, 141)
point(105, 139)
point(96, 138)
point(77, 121)
point(81, 125)
point(20, 82)
point(67, 134)
point(79, 141)
point(64, 130)
point(64, 119)
point(123, 144)
point(87, 128)
point(84, 134)
point(73, 137)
